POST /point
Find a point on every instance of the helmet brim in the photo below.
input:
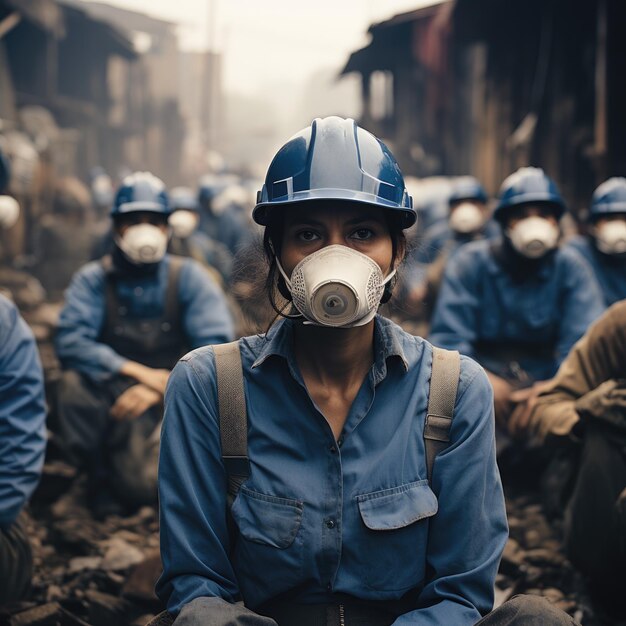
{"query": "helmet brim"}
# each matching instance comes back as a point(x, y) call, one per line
point(140, 206)
point(261, 212)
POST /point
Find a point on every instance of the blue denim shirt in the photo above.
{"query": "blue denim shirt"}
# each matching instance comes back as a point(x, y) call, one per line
point(22, 413)
point(551, 309)
point(438, 239)
point(206, 318)
point(318, 517)
point(609, 271)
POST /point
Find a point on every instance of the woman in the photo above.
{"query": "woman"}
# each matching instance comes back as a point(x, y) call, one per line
point(337, 522)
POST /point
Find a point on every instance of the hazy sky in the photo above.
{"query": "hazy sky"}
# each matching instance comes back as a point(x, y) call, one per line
point(269, 43)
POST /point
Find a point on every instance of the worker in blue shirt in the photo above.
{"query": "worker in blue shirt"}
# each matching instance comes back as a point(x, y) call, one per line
point(187, 240)
point(604, 246)
point(126, 321)
point(336, 521)
point(226, 225)
point(468, 220)
point(22, 446)
point(519, 303)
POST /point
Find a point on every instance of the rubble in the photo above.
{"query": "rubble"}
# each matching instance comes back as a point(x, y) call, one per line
point(102, 573)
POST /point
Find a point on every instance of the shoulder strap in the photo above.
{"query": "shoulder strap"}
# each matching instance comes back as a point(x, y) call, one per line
point(171, 309)
point(444, 383)
point(233, 414)
point(110, 292)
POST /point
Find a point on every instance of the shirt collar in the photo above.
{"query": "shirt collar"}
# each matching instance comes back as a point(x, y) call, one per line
point(387, 344)
point(543, 270)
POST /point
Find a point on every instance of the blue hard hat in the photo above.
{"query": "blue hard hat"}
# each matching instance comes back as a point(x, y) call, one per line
point(334, 159)
point(529, 185)
point(609, 197)
point(211, 185)
point(141, 191)
point(467, 188)
point(183, 198)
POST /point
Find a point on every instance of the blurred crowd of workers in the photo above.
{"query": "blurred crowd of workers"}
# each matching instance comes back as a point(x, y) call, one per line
point(501, 281)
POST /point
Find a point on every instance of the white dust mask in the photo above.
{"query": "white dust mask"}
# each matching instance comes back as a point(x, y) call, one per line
point(183, 223)
point(611, 237)
point(534, 236)
point(337, 286)
point(143, 243)
point(9, 211)
point(466, 218)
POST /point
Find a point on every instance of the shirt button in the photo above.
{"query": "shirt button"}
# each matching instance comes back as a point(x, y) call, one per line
point(329, 587)
point(340, 441)
point(330, 523)
point(333, 449)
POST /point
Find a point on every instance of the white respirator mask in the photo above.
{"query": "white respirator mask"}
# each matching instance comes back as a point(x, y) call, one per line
point(534, 237)
point(337, 286)
point(143, 243)
point(183, 223)
point(611, 237)
point(9, 211)
point(466, 218)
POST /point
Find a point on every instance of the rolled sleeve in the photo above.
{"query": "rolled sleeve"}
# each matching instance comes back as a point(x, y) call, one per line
point(192, 491)
point(464, 558)
point(22, 414)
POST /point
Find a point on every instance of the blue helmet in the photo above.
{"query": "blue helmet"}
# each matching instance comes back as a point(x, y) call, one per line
point(211, 185)
point(183, 198)
point(467, 188)
point(334, 159)
point(609, 197)
point(528, 185)
point(141, 191)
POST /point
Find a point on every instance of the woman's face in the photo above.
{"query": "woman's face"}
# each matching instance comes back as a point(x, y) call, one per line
point(309, 228)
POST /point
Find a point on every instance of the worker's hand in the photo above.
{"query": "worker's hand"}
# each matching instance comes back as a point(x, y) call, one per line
point(525, 401)
point(135, 401)
point(150, 377)
point(502, 403)
point(155, 379)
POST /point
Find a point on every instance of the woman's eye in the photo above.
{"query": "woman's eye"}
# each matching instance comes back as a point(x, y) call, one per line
point(363, 233)
point(307, 235)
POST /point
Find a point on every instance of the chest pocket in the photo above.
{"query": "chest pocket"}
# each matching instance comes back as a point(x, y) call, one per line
point(393, 553)
point(267, 520)
point(268, 533)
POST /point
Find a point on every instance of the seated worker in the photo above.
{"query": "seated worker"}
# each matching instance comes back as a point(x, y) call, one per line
point(517, 303)
point(22, 446)
point(468, 220)
point(586, 404)
point(226, 224)
point(339, 519)
point(604, 246)
point(188, 241)
point(126, 321)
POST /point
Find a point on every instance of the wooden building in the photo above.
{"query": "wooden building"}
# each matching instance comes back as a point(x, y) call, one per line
point(485, 86)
